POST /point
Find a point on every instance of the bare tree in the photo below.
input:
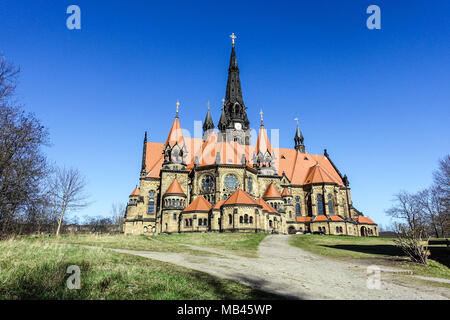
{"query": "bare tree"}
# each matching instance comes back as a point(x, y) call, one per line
point(407, 208)
point(118, 213)
point(441, 188)
point(431, 203)
point(68, 192)
point(22, 163)
point(411, 242)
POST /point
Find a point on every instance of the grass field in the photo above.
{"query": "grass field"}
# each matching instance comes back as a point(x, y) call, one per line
point(244, 244)
point(380, 250)
point(34, 269)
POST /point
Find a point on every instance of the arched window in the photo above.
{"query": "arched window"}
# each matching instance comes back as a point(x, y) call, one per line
point(177, 202)
point(175, 216)
point(297, 209)
point(320, 204)
point(187, 222)
point(256, 211)
point(330, 204)
point(241, 219)
point(200, 222)
point(249, 185)
point(145, 229)
point(270, 223)
point(230, 219)
point(337, 229)
point(151, 202)
point(251, 220)
point(245, 218)
point(190, 222)
point(205, 222)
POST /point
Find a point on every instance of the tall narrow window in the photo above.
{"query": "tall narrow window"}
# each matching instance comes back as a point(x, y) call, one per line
point(320, 204)
point(297, 209)
point(330, 204)
point(230, 219)
point(245, 218)
point(151, 202)
point(250, 185)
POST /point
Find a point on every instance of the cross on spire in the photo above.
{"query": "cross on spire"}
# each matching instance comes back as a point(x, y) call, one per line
point(296, 119)
point(207, 104)
point(261, 114)
point(178, 106)
point(233, 37)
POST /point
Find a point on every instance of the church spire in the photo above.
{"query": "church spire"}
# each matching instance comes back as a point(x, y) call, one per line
point(144, 156)
point(208, 124)
point(298, 139)
point(234, 124)
point(233, 93)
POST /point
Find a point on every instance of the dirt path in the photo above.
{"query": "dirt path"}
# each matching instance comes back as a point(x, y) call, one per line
point(297, 274)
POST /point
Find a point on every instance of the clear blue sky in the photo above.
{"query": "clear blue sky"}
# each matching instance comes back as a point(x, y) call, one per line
point(378, 100)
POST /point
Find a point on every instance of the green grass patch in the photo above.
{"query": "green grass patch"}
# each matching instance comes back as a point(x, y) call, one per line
point(245, 244)
point(346, 247)
point(37, 270)
point(383, 250)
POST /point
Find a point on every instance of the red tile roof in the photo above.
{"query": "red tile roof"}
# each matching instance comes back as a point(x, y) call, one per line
point(286, 192)
point(293, 163)
point(240, 197)
point(200, 204)
point(175, 134)
point(320, 218)
point(175, 188)
point(266, 206)
point(136, 192)
point(336, 219)
point(365, 220)
point(317, 174)
point(303, 219)
point(271, 192)
point(218, 205)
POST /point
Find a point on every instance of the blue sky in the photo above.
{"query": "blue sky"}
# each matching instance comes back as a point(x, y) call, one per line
point(378, 100)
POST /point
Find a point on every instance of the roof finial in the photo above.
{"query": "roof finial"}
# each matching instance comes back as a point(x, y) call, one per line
point(233, 37)
point(178, 106)
point(207, 104)
point(261, 114)
point(296, 119)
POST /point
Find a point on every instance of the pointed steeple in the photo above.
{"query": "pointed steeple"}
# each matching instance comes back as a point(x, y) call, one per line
point(174, 147)
point(144, 155)
point(208, 124)
point(234, 115)
point(263, 142)
point(298, 139)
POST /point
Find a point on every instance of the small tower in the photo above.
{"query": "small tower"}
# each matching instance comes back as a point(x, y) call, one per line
point(208, 125)
point(264, 155)
point(175, 149)
point(298, 139)
point(173, 203)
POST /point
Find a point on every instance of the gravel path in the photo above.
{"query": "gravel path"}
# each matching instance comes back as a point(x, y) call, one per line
point(297, 274)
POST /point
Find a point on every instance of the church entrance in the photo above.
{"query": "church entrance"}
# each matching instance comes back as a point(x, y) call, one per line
point(363, 231)
point(291, 230)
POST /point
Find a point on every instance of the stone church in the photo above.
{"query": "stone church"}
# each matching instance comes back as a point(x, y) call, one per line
point(222, 183)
